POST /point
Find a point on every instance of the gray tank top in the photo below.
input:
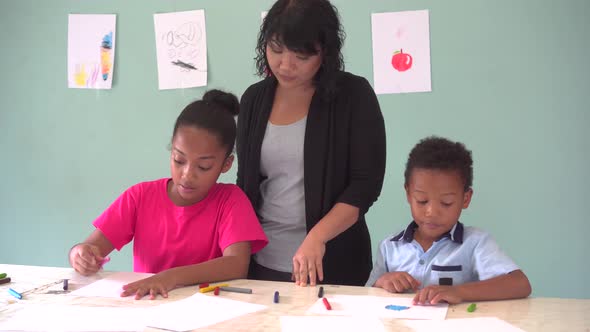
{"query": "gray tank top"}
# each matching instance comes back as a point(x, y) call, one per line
point(282, 212)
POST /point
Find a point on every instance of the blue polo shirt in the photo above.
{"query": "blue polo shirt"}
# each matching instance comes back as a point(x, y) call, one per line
point(464, 254)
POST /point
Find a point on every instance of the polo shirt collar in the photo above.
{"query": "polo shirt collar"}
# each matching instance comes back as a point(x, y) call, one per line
point(455, 234)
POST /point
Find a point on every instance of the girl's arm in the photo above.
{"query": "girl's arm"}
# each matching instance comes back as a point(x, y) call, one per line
point(89, 256)
point(232, 265)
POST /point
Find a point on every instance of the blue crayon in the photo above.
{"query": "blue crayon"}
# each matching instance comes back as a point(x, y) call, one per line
point(276, 298)
point(15, 293)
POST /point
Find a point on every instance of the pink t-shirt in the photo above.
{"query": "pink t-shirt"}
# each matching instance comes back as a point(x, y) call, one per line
point(167, 236)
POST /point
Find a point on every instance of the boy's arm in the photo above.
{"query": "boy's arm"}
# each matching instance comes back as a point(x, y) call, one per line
point(380, 266)
point(232, 265)
point(513, 285)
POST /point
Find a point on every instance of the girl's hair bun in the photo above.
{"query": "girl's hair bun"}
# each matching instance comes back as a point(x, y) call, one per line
point(222, 99)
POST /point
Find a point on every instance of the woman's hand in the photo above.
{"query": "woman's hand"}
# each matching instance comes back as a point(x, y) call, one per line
point(307, 262)
point(160, 283)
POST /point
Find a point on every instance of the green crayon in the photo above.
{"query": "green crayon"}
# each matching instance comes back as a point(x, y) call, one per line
point(471, 307)
point(2, 275)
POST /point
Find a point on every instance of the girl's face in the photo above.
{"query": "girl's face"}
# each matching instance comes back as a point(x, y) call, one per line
point(436, 199)
point(196, 161)
point(292, 69)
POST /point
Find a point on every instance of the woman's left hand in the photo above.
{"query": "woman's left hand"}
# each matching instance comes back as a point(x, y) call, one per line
point(159, 283)
point(307, 261)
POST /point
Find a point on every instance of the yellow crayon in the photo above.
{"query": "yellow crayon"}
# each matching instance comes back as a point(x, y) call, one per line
point(211, 288)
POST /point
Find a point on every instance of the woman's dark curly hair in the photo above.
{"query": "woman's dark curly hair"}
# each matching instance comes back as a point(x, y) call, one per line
point(300, 26)
point(441, 154)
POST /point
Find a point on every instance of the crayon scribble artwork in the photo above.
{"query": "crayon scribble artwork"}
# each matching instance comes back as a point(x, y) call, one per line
point(181, 47)
point(91, 51)
point(401, 52)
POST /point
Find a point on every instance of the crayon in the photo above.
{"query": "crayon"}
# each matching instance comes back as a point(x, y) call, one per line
point(2, 275)
point(321, 292)
point(276, 298)
point(4, 281)
point(216, 291)
point(236, 290)
point(211, 288)
point(326, 304)
point(15, 293)
point(471, 307)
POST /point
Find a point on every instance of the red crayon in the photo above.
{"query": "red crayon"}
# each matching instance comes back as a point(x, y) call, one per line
point(326, 303)
point(216, 291)
point(203, 285)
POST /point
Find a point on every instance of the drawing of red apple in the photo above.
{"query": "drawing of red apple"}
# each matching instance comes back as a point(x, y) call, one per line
point(401, 61)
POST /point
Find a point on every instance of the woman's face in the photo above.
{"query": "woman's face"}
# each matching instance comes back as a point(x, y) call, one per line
point(292, 69)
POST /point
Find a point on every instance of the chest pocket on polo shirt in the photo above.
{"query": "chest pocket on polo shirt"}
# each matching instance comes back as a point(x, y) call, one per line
point(448, 275)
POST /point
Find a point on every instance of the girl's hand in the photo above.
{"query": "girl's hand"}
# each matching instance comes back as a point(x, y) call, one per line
point(159, 283)
point(307, 261)
point(86, 259)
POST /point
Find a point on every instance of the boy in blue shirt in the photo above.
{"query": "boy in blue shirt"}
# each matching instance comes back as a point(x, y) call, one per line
point(436, 256)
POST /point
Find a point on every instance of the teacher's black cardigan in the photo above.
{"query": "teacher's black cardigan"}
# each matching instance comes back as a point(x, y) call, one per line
point(344, 161)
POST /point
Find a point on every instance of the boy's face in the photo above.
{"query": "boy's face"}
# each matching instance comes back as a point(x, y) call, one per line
point(436, 199)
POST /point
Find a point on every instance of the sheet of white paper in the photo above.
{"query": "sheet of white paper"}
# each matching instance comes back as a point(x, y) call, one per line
point(181, 46)
point(401, 52)
point(198, 311)
point(52, 317)
point(479, 324)
point(111, 286)
point(352, 305)
point(91, 51)
point(333, 323)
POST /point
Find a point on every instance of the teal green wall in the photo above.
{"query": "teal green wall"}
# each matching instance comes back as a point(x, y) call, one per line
point(509, 79)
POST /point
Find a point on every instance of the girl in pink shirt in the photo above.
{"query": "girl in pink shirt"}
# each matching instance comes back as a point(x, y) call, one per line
point(186, 229)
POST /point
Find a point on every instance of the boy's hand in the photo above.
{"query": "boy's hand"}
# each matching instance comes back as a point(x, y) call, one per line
point(397, 282)
point(86, 259)
point(436, 294)
point(160, 283)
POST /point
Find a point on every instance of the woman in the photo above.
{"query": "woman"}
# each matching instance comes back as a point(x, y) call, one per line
point(311, 150)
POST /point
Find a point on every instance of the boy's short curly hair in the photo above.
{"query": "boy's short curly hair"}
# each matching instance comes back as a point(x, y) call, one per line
point(441, 154)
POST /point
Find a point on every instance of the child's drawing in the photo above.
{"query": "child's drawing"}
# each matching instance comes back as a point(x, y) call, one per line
point(181, 45)
point(91, 51)
point(401, 52)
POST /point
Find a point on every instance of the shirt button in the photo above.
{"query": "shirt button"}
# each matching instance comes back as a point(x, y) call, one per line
point(421, 262)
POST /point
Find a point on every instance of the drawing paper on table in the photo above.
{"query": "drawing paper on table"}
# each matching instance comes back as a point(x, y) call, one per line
point(479, 324)
point(111, 286)
point(59, 317)
point(330, 323)
point(198, 311)
point(351, 305)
